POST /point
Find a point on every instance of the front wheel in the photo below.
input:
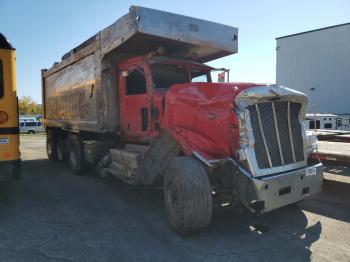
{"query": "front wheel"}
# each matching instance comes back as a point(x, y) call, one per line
point(188, 196)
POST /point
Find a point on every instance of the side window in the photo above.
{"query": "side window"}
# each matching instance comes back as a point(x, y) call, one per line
point(328, 125)
point(312, 124)
point(30, 124)
point(135, 83)
point(1, 81)
point(22, 123)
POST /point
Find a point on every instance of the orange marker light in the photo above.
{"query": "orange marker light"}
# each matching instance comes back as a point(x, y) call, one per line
point(7, 155)
point(3, 117)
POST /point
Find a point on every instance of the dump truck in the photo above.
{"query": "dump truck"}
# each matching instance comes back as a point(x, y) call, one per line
point(136, 101)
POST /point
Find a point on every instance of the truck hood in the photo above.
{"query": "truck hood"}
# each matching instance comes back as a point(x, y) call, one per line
point(201, 117)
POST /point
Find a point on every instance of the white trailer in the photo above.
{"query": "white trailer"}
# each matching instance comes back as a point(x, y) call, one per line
point(317, 63)
point(327, 121)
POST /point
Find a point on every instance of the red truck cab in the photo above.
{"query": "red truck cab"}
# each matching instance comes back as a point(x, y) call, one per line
point(166, 93)
point(144, 83)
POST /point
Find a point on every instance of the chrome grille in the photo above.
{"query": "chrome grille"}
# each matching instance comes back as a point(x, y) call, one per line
point(277, 133)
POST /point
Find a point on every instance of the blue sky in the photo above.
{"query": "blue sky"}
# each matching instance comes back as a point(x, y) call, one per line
point(42, 31)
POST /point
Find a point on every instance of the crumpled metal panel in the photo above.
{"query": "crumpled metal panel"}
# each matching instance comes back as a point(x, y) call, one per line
point(261, 93)
point(202, 119)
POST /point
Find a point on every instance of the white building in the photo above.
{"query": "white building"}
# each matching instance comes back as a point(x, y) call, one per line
point(317, 63)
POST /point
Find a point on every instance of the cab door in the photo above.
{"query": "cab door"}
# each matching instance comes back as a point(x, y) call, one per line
point(134, 101)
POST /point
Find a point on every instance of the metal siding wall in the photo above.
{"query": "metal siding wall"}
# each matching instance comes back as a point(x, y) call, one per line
point(320, 60)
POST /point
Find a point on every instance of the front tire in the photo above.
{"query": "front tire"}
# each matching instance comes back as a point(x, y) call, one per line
point(188, 196)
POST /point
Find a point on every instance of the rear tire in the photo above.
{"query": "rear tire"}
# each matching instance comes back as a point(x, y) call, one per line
point(188, 196)
point(61, 150)
point(76, 155)
point(51, 145)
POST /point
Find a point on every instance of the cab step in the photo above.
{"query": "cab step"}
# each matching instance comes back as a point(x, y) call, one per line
point(126, 161)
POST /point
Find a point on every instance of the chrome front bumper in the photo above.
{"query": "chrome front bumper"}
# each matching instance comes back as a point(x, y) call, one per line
point(267, 193)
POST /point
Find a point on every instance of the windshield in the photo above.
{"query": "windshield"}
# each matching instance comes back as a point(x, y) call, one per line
point(200, 75)
point(166, 75)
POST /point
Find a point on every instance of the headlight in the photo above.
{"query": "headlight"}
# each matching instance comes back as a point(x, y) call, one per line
point(243, 137)
point(241, 155)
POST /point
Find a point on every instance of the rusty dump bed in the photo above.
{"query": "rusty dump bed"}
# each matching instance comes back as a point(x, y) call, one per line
point(80, 92)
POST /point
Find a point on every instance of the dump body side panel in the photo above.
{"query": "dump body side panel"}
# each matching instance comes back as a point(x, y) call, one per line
point(71, 96)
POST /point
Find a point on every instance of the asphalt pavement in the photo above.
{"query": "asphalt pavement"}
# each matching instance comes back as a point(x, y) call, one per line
point(53, 215)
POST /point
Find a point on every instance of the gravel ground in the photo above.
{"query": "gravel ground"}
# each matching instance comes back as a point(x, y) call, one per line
point(53, 215)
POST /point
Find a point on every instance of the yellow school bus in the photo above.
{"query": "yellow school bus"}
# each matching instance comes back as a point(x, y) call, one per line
point(9, 131)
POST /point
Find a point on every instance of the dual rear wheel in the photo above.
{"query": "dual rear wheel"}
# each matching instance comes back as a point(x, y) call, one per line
point(60, 149)
point(75, 151)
